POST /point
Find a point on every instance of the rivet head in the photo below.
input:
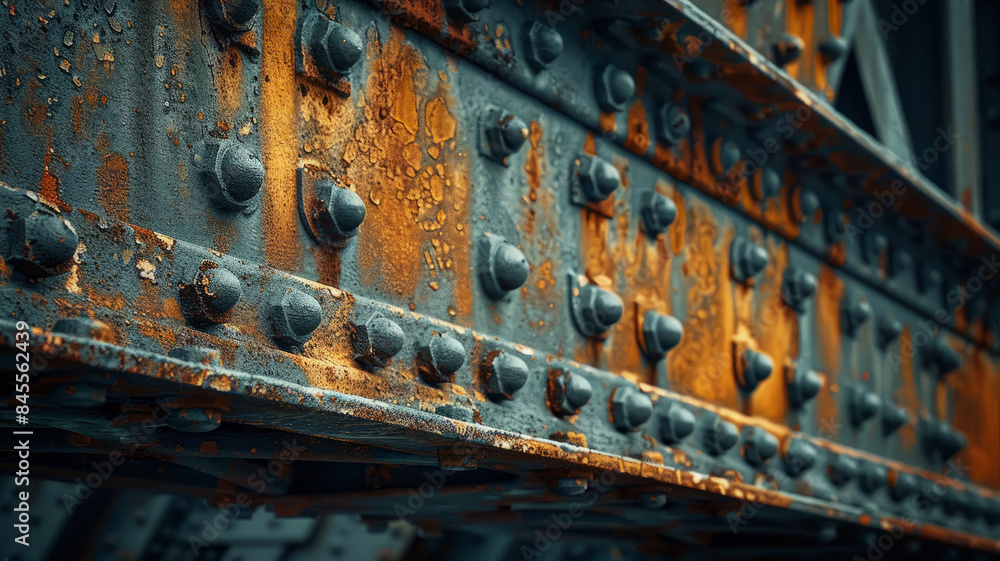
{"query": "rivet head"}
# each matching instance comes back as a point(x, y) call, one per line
point(294, 317)
point(598, 178)
point(503, 267)
point(193, 419)
point(754, 368)
point(871, 476)
point(799, 457)
point(236, 176)
point(841, 469)
point(675, 124)
point(902, 485)
point(338, 212)
point(233, 16)
point(569, 392)
point(834, 227)
point(747, 258)
point(465, 11)
point(630, 408)
point(805, 203)
point(949, 441)
point(889, 330)
point(85, 328)
point(893, 418)
point(759, 446)
point(660, 333)
point(940, 353)
point(615, 88)
point(853, 313)
point(788, 49)
point(766, 183)
point(377, 340)
point(797, 287)
point(725, 155)
point(210, 296)
point(41, 245)
point(658, 212)
point(569, 486)
point(503, 133)
point(333, 46)
point(445, 356)
point(505, 374)
point(545, 45)
point(718, 436)
point(864, 405)
point(676, 424)
point(596, 310)
point(834, 47)
point(803, 385)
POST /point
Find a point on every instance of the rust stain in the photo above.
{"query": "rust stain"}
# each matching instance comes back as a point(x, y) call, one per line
point(975, 388)
point(113, 186)
point(638, 129)
point(907, 395)
point(829, 292)
point(735, 17)
point(776, 329)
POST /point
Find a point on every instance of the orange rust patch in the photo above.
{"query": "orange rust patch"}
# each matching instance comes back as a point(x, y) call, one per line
point(776, 329)
point(828, 295)
point(113, 186)
point(975, 388)
point(209, 447)
point(638, 129)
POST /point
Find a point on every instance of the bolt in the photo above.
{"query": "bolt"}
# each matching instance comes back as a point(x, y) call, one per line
point(442, 357)
point(753, 369)
point(889, 330)
point(596, 310)
point(236, 175)
point(805, 204)
point(193, 419)
point(676, 424)
point(337, 213)
point(853, 313)
point(946, 358)
point(377, 340)
point(797, 287)
point(758, 446)
point(233, 16)
point(466, 11)
point(597, 177)
point(334, 47)
point(660, 333)
point(85, 328)
point(545, 44)
point(834, 226)
point(864, 405)
point(210, 296)
point(569, 486)
point(893, 418)
point(294, 317)
point(834, 47)
point(630, 408)
point(653, 500)
point(766, 183)
point(871, 476)
point(872, 246)
point(675, 123)
point(949, 441)
point(505, 374)
point(41, 244)
point(803, 386)
point(841, 469)
point(615, 88)
point(799, 457)
point(658, 212)
point(503, 267)
point(503, 134)
point(205, 356)
point(568, 393)
point(725, 156)
point(718, 435)
point(787, 49)
point(902, 485)
point(747, 259)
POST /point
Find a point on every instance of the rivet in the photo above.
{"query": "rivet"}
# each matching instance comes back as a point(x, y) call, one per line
point(658, 212)
point(210, 296)
point(800, 456)
point(724, 157)
point(788, 49)
point(940, 353)
point(900, 261)
point(766, 183)
point(568, 392)
point(802, 386)
point(805, 203)
point(889, 329)
point(233, 16)
point(569, 486)
point(834, 47)
point(653, 500)
point(676, 424)
point(893, 418)
point(193, 419)
point(674, 124)
point(465, 11)
point(841, 469)
point(797, 287)
point(85, 328)
point(595, 310)
point(718, 435)
point(747, 258)
point(377, 340)
point(853, 313)
point(759, 446)
point(294, 317)
point(42, 244)
point(235, 177)
point(503, 267)
point(615, 88)
point(505, 374)
point(545, 45)
point(864, 405)
point(871, 476)
point(334, 47)
point(753, 368)
point(597, 177)
point(503, 133)
point(630, 408)
point(660, 333)
point(443, 356)
point(205, 356)
point(902, 485)
point(338, 212)
point(949, 441)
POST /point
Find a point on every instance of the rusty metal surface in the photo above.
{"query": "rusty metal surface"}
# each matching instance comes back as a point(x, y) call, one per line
point(537, 246)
